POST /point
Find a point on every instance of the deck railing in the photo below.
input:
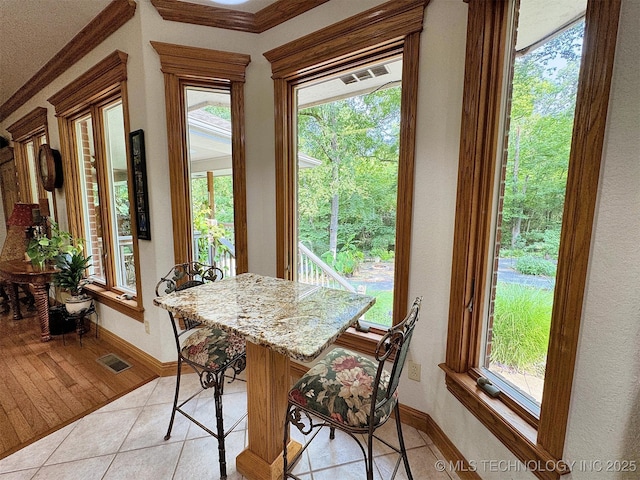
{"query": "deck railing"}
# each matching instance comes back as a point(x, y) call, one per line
point(312, 269)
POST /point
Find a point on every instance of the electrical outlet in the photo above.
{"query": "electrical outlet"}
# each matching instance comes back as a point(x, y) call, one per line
point(413, 371)
point(146, 327)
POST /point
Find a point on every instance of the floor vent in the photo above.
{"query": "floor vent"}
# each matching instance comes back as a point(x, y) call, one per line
point(113, 363)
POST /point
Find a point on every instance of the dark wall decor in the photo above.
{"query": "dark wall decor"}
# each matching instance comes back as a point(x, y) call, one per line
point(141, 196)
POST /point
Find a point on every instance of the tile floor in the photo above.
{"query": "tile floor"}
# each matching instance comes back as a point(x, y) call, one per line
point(124, 440)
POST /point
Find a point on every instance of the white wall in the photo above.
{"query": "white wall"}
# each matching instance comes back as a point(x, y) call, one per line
point(606, 383)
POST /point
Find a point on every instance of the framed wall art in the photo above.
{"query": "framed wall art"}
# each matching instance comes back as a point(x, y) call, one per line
point(141, 195)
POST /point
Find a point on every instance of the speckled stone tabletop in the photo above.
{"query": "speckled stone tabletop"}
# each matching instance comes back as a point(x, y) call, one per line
point(295, 319)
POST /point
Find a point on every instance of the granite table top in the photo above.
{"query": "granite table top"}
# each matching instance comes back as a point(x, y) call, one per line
point(295, 319)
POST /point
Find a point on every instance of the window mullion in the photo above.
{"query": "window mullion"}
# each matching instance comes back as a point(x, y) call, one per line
point(102, 173)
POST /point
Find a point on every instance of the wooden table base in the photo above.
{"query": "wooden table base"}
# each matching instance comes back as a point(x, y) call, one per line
point(268, 384)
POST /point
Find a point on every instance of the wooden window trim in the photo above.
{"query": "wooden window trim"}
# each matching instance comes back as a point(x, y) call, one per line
point(208, 15)
point(390, 28)
point(479, 134)
point(22, 132)
point(186, 66)
point(101, 84)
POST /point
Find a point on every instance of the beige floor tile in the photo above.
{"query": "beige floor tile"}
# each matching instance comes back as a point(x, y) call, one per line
point(127, 440)
point(19, 475)
point(87, 469)
point(151, 427)
point(422, 462)
point(324, 453)
point(138, 398)
point(351, 471)
point(155, 463)
point(95, 435)
point(36, 454)
point(199, 458)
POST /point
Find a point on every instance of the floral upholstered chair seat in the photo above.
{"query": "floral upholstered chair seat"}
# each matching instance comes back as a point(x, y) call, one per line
point(212, 347)
point(340, 388)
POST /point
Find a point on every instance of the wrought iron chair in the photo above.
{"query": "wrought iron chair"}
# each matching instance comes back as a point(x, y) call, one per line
point(209, 351)
point(354, 394)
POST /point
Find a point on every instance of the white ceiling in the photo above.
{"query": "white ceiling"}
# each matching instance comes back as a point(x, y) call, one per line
point(33, 31)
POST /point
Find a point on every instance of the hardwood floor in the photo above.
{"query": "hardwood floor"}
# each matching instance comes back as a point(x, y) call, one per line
point(45, 386)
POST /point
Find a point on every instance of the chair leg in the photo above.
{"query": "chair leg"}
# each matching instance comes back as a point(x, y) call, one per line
point(368, 461)
point(332, 433)
point(175, 400)
point(217, 398)
point(403, 450)
point(285, 442)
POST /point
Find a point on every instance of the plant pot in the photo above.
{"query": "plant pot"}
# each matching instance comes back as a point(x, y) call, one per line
point(77, 304)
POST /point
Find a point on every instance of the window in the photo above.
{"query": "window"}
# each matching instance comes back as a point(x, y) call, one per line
point(205, 128)
point(308, 71)
point(93, 123)
point(104, 192)
point(28, 134)
point(533, 428)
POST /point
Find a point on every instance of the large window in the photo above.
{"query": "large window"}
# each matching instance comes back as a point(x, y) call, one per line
point(348, 137)
point(103, 183)
point(345, 166)
point(208, 114)
point(205, 128)
point(526, 195)
point(93, 122)
point(28, 134)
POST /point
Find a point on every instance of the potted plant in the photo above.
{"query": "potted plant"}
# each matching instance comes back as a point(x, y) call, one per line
point(44, 249)
point(70, 277)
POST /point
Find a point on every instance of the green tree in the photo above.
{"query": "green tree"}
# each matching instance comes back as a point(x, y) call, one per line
point(541, 123)
point(350, 199)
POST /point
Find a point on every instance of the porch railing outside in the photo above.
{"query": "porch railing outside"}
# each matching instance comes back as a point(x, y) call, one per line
point(312, 269)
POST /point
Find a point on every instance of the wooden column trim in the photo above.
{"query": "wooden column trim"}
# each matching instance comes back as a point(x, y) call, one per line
point(584, 170)
point(238, 155)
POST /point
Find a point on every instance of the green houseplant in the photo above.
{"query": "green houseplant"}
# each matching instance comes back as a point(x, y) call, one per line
point(71, 277)
point(44, 249)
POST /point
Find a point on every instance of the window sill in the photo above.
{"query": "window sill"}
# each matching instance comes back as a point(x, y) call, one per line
point(110, 299)
point(359, 341)
point(513, 431)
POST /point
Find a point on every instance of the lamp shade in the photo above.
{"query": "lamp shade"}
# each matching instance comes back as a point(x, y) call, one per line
point(22, 214)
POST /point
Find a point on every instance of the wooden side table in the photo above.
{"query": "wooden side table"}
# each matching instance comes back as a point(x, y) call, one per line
point(23, 272)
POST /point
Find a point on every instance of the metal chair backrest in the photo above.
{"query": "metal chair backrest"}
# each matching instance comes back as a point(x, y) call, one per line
point(184, 276)
point(394, 344)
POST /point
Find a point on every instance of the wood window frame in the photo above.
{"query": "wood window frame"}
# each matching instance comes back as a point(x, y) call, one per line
point(28, 129)
point(388, 29)
point(104, 82)
point(534, 442)
point(191, 66)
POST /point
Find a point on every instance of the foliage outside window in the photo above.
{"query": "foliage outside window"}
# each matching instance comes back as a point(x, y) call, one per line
point(388, 31)
point(347, 203)
point(533, 430)
point(204, 95)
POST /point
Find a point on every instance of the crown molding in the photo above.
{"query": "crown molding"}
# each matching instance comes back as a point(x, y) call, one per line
point(116, 14)
point(198, 14)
